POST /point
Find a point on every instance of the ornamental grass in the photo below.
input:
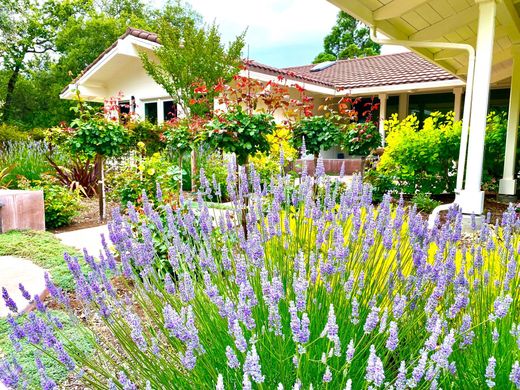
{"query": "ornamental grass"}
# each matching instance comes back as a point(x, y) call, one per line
point(318, 288)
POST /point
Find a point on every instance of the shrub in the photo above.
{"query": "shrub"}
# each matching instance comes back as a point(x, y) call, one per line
point(144, 173)
point(360, 139)
point(319, 132)
point(61, 204)
point(424, 202)
point(148, 133)
point(422, 159)
point(11, 133)
point(316, 293)
point(214, 164)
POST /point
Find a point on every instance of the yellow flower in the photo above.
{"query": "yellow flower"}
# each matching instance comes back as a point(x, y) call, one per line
point(140, 144)
point(150, 171)
point(141, 168)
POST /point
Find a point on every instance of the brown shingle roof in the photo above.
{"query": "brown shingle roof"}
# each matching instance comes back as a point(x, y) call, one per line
point(389, 69)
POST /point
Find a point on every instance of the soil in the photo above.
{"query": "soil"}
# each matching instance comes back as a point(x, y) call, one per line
point(88, 217)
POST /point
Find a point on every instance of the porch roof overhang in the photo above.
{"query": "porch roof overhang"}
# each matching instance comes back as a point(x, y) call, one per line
point(453, 21)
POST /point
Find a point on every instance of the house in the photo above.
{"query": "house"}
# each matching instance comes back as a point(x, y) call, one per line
point(426, 79)
point(479, 42)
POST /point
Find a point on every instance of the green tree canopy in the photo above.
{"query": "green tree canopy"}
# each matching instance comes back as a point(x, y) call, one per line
point(192, 55)
point(349, 38)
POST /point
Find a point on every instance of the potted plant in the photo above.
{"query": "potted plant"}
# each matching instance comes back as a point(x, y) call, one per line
point(360, 139)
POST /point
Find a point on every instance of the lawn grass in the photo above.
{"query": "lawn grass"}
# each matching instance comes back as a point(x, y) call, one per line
point(26, 356)
point(44, 249)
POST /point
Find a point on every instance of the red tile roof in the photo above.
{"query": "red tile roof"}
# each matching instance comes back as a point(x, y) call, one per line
point(389, 69)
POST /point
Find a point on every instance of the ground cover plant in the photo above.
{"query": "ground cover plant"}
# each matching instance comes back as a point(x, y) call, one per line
point(318, 292)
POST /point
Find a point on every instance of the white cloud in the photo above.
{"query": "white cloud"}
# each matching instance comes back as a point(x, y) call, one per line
point(270, 23)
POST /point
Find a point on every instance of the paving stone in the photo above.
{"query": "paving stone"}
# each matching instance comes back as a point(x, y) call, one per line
point(89, 238)
point(15, 270)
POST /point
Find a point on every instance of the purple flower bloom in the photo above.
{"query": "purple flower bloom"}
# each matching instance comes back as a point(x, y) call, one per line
point(400, 381)
point(327, 377)
point(393, 339)
point(501, 306)
point(372, 320)
point(350, 351)
point(375, 372)
point(24, 292)
point(490, 372)
point(10, 373)
point(252, 366)
point(495, 335)
point(136, 331)
point(125, 382)
point(46, 383)
point(11, 305)
point(232, 360)
point(514, 376)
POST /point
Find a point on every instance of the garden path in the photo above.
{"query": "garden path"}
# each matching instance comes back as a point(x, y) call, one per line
point(16, 270)
point(89, 238)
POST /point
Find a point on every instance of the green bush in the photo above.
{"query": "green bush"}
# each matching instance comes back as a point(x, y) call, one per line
point(360, 139)
point(215, 168)
point(319, 132)
point(61, 204)
point(148, 133)
point(424, 202)
point(422, 159)
point(11, 133)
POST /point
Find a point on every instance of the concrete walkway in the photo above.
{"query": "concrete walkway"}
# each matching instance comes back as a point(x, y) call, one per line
point(89, 238)
point(15, 270)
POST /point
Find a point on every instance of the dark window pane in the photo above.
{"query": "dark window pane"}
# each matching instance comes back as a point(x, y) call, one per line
point(170, 110)
point(150, 112)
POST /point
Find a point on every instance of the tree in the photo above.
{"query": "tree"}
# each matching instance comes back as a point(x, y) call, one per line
point(30, 31)
point(190, 63)
point(349, 38)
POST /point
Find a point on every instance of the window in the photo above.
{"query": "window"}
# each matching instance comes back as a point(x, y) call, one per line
point(150, 112)
point(169, 110)
point(423, 105)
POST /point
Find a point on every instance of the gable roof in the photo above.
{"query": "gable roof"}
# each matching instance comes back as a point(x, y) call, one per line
point(376, 71)
point(389, 69)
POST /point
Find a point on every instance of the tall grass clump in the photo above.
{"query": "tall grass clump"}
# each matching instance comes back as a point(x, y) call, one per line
point(315, 291)
point(27, 159)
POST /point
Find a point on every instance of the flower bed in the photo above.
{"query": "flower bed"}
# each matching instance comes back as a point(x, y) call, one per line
point(319, 289)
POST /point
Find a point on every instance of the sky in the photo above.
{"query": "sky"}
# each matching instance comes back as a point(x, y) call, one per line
point(280, 33)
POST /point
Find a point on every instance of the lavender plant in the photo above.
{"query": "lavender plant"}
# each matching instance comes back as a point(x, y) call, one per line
point(318, 294)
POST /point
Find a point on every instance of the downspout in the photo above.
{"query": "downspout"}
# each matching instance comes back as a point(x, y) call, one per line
point(467, 104)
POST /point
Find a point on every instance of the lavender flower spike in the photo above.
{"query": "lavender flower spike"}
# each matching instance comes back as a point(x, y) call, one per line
point(490, 372)
point(375, 372)
point(11, 305)
point(514, 376)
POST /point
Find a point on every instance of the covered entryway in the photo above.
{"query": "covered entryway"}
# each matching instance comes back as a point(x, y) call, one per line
point(487, 38)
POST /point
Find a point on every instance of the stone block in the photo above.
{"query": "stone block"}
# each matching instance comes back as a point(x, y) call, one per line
point(21, 210)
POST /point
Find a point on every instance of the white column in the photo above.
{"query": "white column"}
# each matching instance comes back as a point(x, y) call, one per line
point(382, 116)
point(507, 185)
point(160, 111)
point(457, 105)
point(471, 199)
point(403, 106)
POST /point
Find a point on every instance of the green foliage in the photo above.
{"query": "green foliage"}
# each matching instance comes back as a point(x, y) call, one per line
point(494, 149)
point(319, 132)
point(381, 184)
point(215, 167)
point(424, 202)
point(422, 159)
point(42, 248)
point(360, 139)
point(128, 184)
point(241, 133)
point(349, 38)
point(9, 132)
point(148, 133)
point(26, 356)
point(179, 138)
point(192, 56)
point(98, 136)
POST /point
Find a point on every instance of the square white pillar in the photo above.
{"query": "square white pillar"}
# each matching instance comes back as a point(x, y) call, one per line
point(508, 185)
point(471, 199)
point(403, 105)
point(457, 104)
point(382, 116)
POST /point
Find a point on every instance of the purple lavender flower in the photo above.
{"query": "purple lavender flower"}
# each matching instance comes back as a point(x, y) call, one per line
point(136, 331)
point(501, 307)
point(466, 332)
point(495, 335)
point(393, 339)
point(490, 372)
point(400, 381)
point(252, 366)
point(327, 377)
point(331, 328)
point(46, 383)
point(350, 351)
point(186, 289)
point(419, 370)
point(232, 360)
point(246, 383)
point(399, 306)
point(375, 372)
point(24, 292)
point(354, 317)
point(240, 341)
point(372, 320)
point(514, 376)
point(125, 382)
point(10, 373)
point(11, 305)
point(443, 353)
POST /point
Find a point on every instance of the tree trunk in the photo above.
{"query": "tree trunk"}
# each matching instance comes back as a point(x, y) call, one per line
point(101, 187)
point(11, 84)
